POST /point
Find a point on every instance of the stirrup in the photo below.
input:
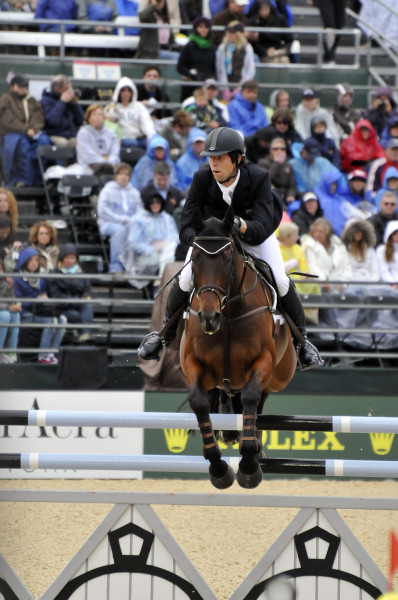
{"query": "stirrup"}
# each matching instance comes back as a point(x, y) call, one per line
point(147, 338)
point(317, 360)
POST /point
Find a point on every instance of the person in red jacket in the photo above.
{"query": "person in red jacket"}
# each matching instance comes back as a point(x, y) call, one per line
point(361, 147)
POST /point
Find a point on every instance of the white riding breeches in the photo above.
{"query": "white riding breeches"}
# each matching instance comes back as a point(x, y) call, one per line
point(269, 251)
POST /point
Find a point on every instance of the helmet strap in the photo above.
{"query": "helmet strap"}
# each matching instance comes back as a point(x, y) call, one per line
point(230, 177)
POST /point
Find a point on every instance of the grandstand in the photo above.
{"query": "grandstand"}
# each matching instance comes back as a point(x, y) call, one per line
point(122, 313)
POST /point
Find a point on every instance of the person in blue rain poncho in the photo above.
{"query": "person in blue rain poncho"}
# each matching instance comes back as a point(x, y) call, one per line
point(390, 184)
point(190, 161)
point(309, 166)
point(157, 150)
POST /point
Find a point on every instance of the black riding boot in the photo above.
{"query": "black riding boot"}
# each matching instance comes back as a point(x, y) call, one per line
point(308, 356)
point(152, 343)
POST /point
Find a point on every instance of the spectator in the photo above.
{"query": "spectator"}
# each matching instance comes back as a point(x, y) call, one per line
point(387, 254)
point(72, 288)
point(246, 113)
point(9, 247)
point(134, 119)
point(309, 166)
point(387, 212)
point(160, 184)
point(9, 315)
point(190, 10)
point(333, 17)
point(65, 10)
point(43, 238)
point(97, 10)
point(21, 124)
point(203, 113)
point(360, 147)
point(360, 240)
point(9, 207)
point(327, 146)
point(197, 60)
point(257, 144)
point(390, 184)
point(380, 165)
point(234, 60)
point(151, 95)
point(344, 115)
point(63, 115)
point(118, 202)
point(97, 147)
point(383, 108)
point(234, 11)
point(212, 87)
point(390, 131)
point(326, 254)
point(111, 119)
point(282, 125)
point(152, 240)
point(157, 150)
point(309, 211)
point(176, 133)
point(308, 109)
point(358, 195)
point(269, 46)
point(279, 98)
point(191, 161)
point(280, 171)
point(28, 286)
point(157, 42)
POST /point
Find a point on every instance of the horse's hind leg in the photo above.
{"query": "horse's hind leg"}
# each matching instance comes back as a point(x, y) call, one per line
point(250, 473)
point(221, 474)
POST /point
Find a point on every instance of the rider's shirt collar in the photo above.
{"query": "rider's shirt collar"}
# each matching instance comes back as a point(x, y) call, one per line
point(228, 192)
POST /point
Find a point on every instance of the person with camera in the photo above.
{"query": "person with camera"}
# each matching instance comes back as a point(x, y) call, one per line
point(384, 106)
point(63, 114)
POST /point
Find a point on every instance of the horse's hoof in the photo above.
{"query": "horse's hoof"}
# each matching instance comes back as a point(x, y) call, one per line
point(223, 482)
point(250, 481)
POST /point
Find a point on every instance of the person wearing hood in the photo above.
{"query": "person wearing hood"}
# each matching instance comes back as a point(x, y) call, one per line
point(97, 147)
point(197, 60)
point(269, 46)
point(157, 150)
point(191, 161)
point(387, 212)
point(63, 115)
point(134, 119)
point(360, 147)
point(28, 285)
point(308, 211)
point(151, 241)
point(360, 240)
point(246, 113)
point(390, 184)
point(118, 202)
point(9, 315)
point(21, 125)
point(327, 146)
point(379, 166)
point(234, 62)
point(309, 108)
point(387, 255)
point(70, 288)
point(390, 131)
point(344, 115)
point(383, 108)
point(309, 166)
point(358, 195)
point(280, 171)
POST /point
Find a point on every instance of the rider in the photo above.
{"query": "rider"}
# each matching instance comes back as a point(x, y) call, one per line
point(226, 180)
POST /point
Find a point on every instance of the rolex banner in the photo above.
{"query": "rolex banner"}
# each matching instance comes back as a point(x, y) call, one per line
point(82, 440)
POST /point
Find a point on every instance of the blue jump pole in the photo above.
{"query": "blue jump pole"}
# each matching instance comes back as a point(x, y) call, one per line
point(163, 420)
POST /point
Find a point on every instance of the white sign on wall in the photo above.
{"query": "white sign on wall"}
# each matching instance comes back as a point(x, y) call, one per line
point(71, 440)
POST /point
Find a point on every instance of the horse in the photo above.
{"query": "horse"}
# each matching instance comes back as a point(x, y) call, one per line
point(233, 343)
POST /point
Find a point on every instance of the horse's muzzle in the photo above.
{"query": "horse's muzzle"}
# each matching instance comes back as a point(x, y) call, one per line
point(210, 322)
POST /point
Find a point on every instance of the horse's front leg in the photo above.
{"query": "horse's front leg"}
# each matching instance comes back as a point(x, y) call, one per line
point(250, 473)
point(221, 474)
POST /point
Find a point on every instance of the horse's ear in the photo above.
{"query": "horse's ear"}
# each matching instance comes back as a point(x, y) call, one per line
point(197, 221)
point(228, 220)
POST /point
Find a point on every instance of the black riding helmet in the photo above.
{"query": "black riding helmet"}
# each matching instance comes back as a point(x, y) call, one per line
point(223, 140)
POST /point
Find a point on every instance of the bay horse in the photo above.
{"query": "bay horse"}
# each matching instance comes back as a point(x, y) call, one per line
point(232, 343)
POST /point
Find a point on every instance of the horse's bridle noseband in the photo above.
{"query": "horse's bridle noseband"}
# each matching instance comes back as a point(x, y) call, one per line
point(225, 242)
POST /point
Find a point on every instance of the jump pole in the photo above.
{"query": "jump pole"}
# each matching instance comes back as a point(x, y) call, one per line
point(197, 464)
point(164, 420)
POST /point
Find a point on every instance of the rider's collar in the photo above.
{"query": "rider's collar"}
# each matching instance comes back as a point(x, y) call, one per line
point(227, 192)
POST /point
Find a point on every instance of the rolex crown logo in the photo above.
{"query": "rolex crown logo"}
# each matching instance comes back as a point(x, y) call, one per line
point(381, 442)
point(176, 439)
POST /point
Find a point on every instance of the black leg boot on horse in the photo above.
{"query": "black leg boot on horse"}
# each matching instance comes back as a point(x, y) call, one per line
point(152, 343)
point(308, 356)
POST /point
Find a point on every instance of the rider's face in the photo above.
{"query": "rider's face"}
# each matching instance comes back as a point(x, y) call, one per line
point(222, 167)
